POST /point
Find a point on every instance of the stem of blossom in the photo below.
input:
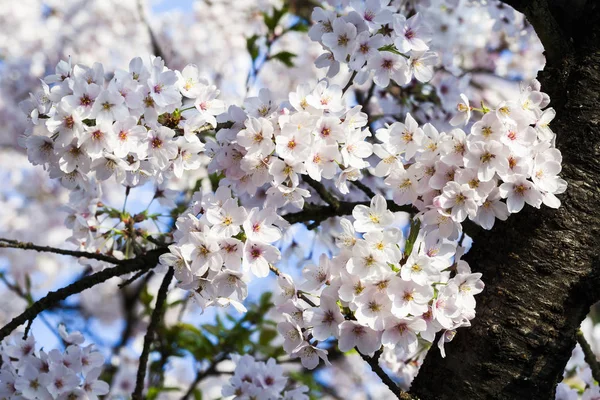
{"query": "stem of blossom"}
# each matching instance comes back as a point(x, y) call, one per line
point(14, 244)
point(154, 320)
point(127, 190)
point(350, 82)
point(589, 355)
point(308, 301)
point(298, 293)
point(147, 261)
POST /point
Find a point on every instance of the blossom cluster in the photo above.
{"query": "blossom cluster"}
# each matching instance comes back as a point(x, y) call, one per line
point(377, 291)
point(316, 134)
point(254, 379)
point(218, 244)
point(509, 154)
point(377, 288)
point(375, 40)
point(28, 373)
point(130, 127)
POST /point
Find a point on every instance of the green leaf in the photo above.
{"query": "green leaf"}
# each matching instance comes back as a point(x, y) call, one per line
point(191, 339)
point(252, 46)
point(114, 213)
point(272, 21)
point(153, 392)
point(27, 283)
point(197, 394)
point(215, 178)
point(285, 57)
point(300, 26)
point(415, 225)
point(391, 48)
point(146, 297)
point(266, 335)
point(189, 328)
point(213, 330)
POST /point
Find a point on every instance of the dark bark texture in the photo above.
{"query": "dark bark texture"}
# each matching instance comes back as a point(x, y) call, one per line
point(541, 267)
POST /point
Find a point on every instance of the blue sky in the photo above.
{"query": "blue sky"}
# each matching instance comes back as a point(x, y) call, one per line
point(168, 5)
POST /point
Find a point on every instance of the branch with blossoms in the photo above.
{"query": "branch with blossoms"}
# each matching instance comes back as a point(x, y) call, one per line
point(387, 294)
point(149, 260)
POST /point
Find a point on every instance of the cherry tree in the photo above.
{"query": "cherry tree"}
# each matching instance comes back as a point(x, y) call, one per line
point(294, 200)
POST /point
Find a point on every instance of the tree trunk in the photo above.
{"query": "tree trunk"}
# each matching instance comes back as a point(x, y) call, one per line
point(541, 267)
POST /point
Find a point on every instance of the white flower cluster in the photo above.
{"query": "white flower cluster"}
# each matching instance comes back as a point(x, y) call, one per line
point(375, 292)
point(28, 373)
point(378, 289)
point(130, 126)
point(270, 144)
point(218, 243)
point(260, 380)
point(509, 154)
point(376, 41)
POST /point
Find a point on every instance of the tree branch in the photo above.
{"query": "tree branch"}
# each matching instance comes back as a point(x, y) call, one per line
point(555, 42)
point(541, 267)
point(366, 190)
point(154, 320)
point(590, 357)
point(15, 244)
point(387, 381)
point(322, 191)
point(147, 261)
point(316, 213)
point(155, 46)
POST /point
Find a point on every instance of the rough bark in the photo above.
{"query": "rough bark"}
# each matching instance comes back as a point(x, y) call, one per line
point(541, 267)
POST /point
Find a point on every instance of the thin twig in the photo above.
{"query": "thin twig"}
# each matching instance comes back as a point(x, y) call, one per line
point(589, 355)
point(147, 261)
point(15, 288)
point(154, 320)
point(300, 295)
point(350, 82)
point(365, 101)
point(15, 244)
point(27, 328)
point(132, 279)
